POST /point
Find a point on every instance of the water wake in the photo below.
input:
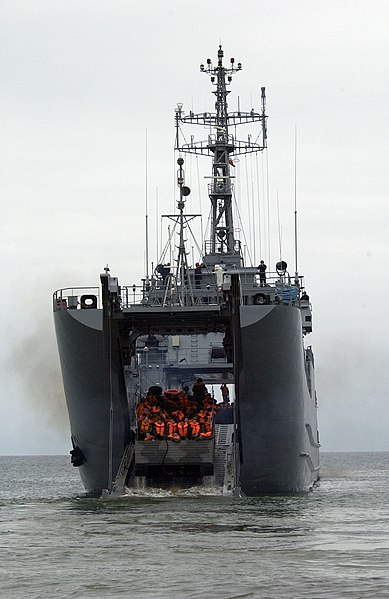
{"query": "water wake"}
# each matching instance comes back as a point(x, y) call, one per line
point(196, 491)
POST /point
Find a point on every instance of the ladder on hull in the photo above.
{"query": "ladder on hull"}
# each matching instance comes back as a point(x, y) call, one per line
point(224, 466)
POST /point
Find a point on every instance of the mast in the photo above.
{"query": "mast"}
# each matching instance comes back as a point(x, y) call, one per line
point(182, 291)
point(222, 146)
point(146, 216)
point(296, 273)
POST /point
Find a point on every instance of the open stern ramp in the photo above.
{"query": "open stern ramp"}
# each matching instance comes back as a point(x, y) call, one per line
point(149, 455)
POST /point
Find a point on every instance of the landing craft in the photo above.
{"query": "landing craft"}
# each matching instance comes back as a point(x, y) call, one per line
point(131, 355)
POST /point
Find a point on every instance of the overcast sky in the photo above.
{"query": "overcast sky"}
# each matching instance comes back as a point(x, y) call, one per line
point(83, 80)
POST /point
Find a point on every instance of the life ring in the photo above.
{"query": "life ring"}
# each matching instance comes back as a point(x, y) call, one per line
point(260, 299)
point(88, 302)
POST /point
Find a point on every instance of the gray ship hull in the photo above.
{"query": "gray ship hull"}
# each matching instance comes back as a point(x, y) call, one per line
point(277, 415)
point(276, 412)
point(80, 344)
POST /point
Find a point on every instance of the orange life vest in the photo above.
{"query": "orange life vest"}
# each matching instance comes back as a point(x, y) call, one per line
point(195, 428)
point(172, 428)
point(208, 426)
point(145, 426)
point(160, 428)
point(152, 400)
point(182, 428)
point(202, 416)
point(179, 414)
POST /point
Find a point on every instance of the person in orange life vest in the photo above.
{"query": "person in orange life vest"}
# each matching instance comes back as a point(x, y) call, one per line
point(147, 429)
point(206, 435)
point(172, 427)
point(184, 402)
point(192, 413)
point(194, 428)
point(207, 427)
point(208, 423)
point(159, 427)
point(151, 400)
point(202, 416)
point(172, 430)
point(193, 405)
point(182, 428)
point(179, 415)
point(143, 404)
point(145, 425)
point(210, 400)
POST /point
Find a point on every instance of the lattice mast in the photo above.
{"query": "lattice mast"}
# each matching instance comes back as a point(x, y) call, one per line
point(179, 283)
point(222, 147)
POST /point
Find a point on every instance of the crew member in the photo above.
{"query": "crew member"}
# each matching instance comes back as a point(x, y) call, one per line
point(199, 390)
point(262, 273)
point(198, 274)
point(225, 393)
point(164, 271)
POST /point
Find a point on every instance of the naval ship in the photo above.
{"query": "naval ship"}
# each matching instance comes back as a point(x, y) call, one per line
point(219, 321)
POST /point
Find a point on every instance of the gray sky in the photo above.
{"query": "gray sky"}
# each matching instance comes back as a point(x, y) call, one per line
point(81, 83)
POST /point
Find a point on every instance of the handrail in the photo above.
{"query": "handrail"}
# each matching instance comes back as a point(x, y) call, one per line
point(153, 292)
point(70, 297)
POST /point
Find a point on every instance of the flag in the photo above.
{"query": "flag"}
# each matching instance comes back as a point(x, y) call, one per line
point(231, 162)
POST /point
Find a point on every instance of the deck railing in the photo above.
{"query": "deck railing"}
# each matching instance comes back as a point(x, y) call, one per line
point(156, 292)
point(76, 298)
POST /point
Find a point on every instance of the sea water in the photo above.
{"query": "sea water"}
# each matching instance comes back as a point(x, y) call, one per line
point(332, 542)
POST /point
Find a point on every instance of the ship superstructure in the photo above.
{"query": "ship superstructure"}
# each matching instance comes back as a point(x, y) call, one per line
point(127, 350)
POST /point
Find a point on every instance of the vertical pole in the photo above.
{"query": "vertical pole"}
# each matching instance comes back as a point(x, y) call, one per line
point(295, 203)
point(147, 216)
point(157, 223)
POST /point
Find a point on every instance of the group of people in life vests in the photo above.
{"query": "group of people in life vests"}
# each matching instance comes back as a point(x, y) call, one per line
point(175, 414)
